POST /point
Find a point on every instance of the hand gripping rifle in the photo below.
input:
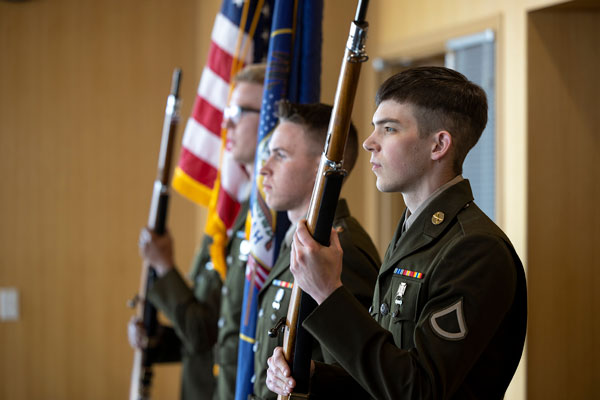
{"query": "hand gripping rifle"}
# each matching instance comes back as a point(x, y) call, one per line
point(141, 376)
point(297, 343)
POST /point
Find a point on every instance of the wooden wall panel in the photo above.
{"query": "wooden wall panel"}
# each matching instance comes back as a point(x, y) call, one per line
point(564, 193)
point(83, 87)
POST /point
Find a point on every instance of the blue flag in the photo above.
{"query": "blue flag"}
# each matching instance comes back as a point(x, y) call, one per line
point(293, 73)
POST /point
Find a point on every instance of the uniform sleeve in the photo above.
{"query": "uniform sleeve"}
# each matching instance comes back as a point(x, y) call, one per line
point(193, 312)
point(168, 348)
point(360, 265)
point(330, 381)
point(477, 276)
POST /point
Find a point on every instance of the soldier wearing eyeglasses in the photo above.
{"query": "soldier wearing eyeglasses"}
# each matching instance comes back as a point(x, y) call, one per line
point(206, 317)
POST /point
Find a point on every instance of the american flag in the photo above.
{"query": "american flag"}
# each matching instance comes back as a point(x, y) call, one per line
point(207, 173)
point(293, 73)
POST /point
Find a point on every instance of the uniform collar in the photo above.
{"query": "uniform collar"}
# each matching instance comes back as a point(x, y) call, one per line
point(282, 263)
point(411, 217)
point(239, 224)
point(430, 223)
point(342, 210)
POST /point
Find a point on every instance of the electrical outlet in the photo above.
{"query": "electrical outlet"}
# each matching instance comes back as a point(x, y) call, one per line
point(9, 304)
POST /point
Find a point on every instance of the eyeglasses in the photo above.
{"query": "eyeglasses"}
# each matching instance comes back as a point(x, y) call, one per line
point(234, 112)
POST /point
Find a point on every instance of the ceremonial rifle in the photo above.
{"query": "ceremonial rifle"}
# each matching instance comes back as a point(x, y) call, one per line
point(297, 343)
point(141, 375)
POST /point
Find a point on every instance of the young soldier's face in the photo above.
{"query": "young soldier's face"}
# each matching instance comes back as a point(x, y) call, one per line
point(289, 171)
point(400, 159)
point(242, 121)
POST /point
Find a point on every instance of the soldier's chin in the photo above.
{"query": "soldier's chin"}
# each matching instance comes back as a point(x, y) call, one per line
point(268, 200)
point(382, 187)
point(237, 157)
point(273, 205)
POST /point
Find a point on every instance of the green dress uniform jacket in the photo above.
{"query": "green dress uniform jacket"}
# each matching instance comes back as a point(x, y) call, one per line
point(448, 318)
point(200, 318)
point(360, 265)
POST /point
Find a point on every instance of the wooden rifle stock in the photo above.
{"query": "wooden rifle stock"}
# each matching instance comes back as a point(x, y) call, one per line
point(297, 343)
point(141, 376)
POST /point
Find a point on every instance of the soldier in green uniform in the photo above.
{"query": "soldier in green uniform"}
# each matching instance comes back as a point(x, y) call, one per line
point(449, 310)
point(207, 315)
point(289, 176)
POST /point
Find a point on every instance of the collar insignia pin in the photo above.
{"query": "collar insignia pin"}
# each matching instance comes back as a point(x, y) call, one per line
point(437, 218)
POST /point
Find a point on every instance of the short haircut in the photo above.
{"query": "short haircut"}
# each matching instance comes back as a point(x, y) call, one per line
point(315, 120)
point(442, 99)
point(253, 73)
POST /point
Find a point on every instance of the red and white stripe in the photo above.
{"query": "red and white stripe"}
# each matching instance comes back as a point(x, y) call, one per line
point(261, 272)
point(201, 156)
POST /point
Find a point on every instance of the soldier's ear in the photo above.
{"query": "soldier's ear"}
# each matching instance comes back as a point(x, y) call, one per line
point(442, 142)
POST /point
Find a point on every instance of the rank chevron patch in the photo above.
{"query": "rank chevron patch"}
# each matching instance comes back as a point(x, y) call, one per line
point(449, 323)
